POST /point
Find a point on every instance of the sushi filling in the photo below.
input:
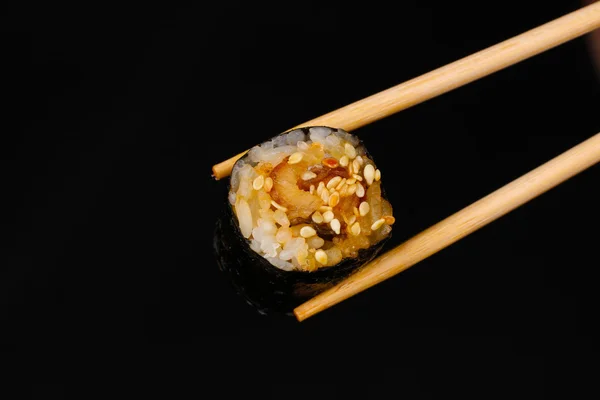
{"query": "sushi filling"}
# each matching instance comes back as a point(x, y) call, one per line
point(309, 199)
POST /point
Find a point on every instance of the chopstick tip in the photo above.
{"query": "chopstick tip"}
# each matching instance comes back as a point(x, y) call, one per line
point(298, 315)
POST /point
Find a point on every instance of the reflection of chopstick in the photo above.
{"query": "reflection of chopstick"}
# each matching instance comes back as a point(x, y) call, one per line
point(451, 76)
point(458, 225)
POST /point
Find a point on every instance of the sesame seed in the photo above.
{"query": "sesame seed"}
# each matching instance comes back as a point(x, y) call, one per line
point(308, 175)
point(357, 177)
point(277, 206)
point(330, 162)
point(351, 181)
point(295, 158)
point(344, 191)
point(389, 220)
point(350, 170)
point(352, 189)
point(258, 182)
point(364, 208)
point(351, 220)
point(307, 231)
point(355, 211)
point(345, 219)
point(341, 184)
point(328, 216)
point(312, 189)
point(360, 190)
point(377, 175)
point(320, 188)
point(344, 161)
point(325, 196)
point(355, 229)
point(317, 217)
point(356, 166)
point(321, 257)
point(360, 160)
point(334, 199)
point(377, 224)
point(268, 184)
point(324, 209)
point(335, 225)
point(369, 173)
point(349, 150)
point(333, 182)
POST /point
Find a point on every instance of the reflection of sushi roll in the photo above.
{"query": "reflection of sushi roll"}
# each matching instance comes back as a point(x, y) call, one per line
point(305, 210)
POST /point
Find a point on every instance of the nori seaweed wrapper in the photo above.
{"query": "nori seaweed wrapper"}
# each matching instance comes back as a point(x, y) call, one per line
point(271, 290)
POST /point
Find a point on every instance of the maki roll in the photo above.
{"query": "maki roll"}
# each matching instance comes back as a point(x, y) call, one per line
point(304, 210)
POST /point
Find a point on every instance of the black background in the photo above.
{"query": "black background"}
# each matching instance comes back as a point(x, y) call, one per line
point(115, 116)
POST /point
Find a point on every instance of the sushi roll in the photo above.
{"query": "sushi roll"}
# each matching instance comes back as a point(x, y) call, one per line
point(304, 210)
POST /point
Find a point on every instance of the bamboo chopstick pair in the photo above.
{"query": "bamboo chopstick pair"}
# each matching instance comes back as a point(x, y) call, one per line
point(489, 208)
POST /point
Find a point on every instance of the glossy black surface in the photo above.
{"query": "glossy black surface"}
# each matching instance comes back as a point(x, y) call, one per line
point(115, 117)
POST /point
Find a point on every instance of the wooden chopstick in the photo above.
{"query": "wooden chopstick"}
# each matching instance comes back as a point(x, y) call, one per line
point(458, 225)
point(451, 76)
